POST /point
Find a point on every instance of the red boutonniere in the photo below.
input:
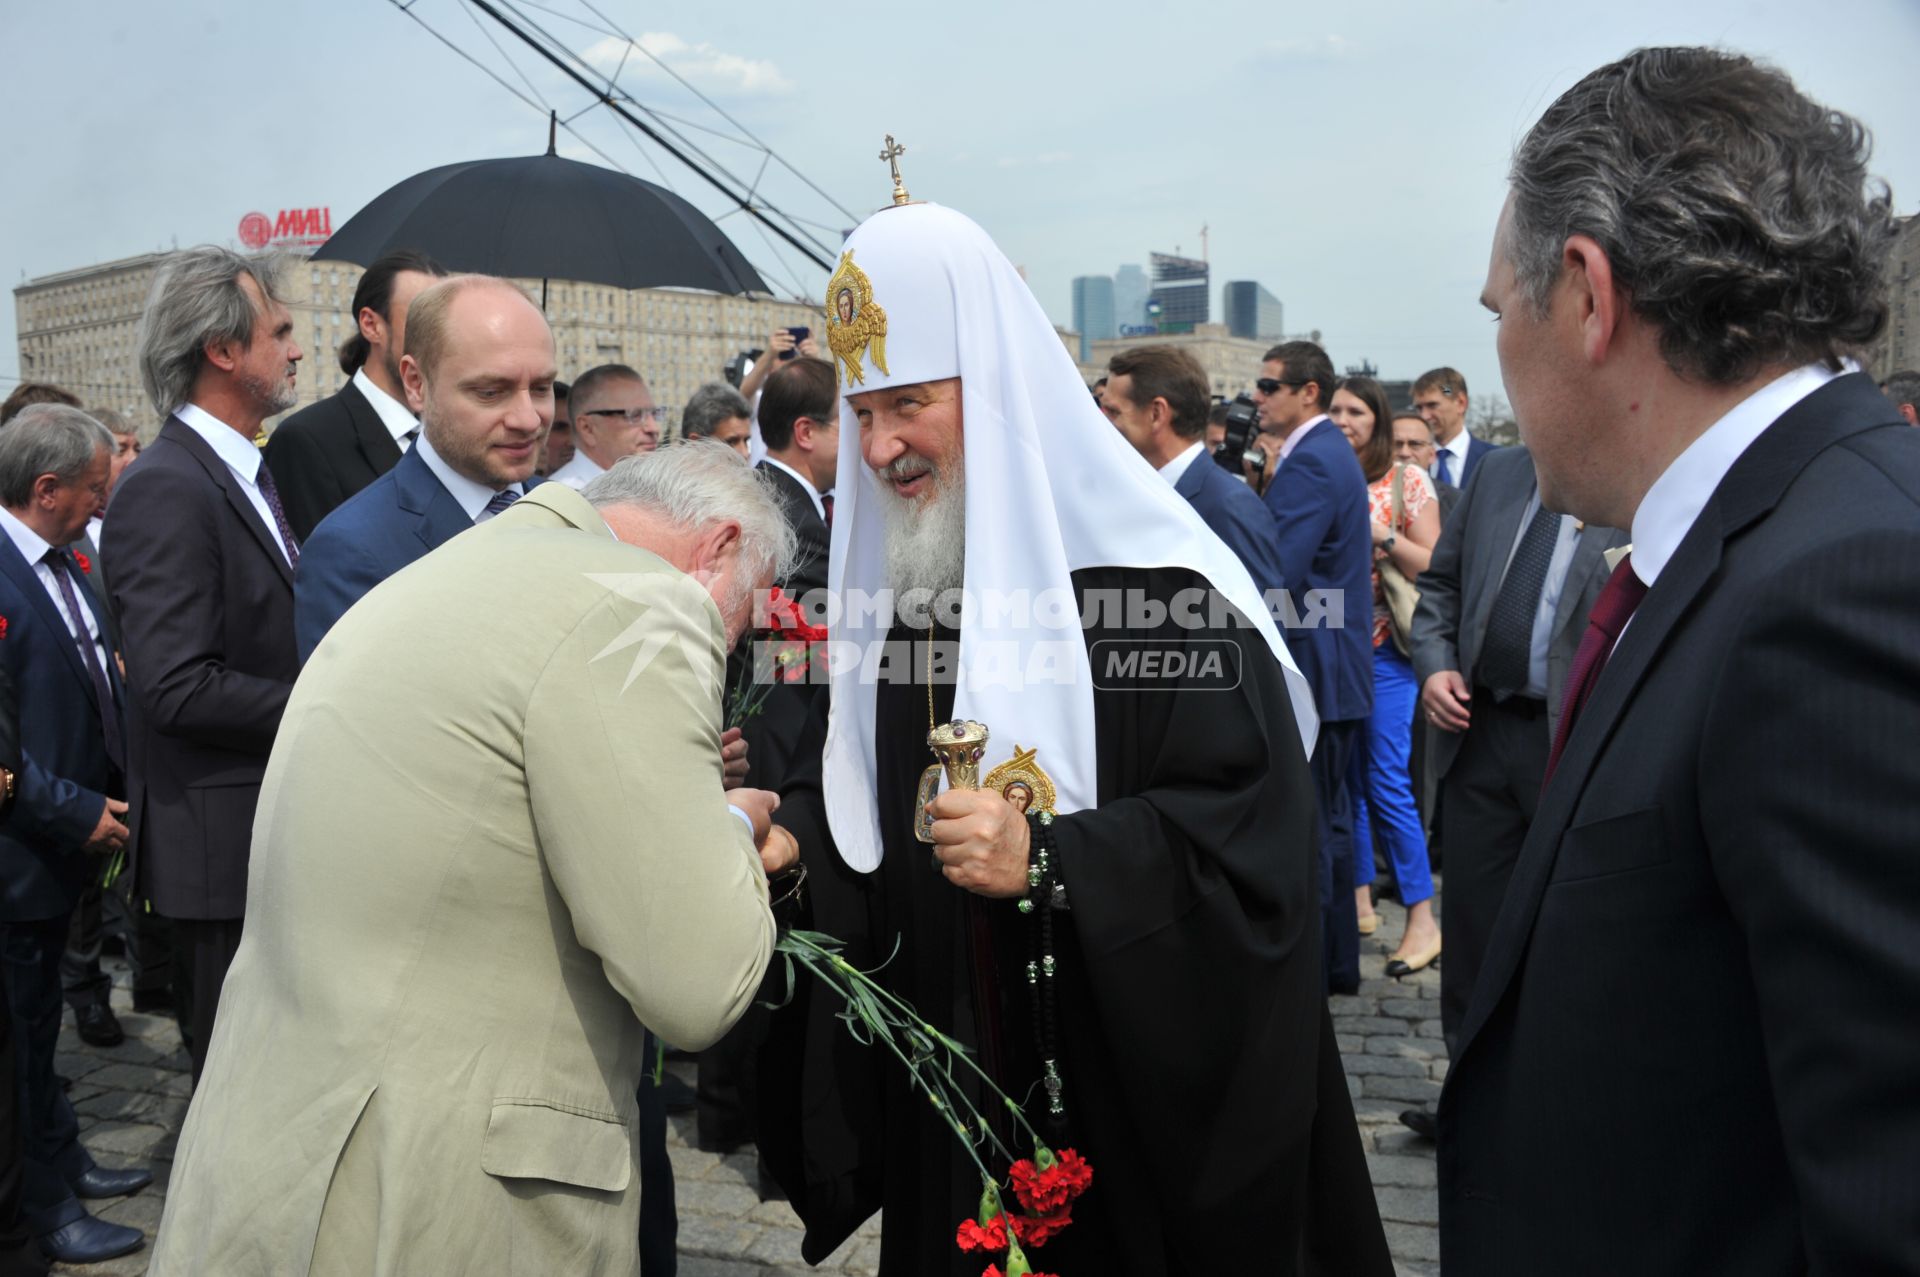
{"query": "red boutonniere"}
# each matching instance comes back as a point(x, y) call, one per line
point(86, 564)
point(3, 627)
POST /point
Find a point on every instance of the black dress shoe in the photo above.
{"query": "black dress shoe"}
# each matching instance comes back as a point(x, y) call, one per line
point(676, 1096)
point(1419, 1121)
point(98, 1181)
point(98, 1025)
point(66, 1083)
point(88, 1241)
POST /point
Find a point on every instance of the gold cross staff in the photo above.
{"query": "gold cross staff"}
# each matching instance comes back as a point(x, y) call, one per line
point(891, 153)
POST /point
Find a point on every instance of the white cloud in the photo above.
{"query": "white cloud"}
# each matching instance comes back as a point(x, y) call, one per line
point(701, 64)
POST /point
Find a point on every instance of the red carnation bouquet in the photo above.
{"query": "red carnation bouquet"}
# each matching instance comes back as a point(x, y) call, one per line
point(1045, 1185)
point(785, 649)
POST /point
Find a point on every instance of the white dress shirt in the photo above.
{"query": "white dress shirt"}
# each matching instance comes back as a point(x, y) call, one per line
point(1176, 469)
point(1457, 452)
point(393, 414)
point(470, 493)
point(242, 456)
point(33, 548)
point(806, 485)
point(1668, 511)
point(1292, 441)
point(579, 472)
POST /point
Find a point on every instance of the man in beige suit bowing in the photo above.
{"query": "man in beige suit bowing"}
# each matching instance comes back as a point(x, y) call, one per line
point(492, 845)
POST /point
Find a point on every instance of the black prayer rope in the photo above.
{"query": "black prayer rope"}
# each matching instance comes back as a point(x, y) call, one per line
point(1038, 906)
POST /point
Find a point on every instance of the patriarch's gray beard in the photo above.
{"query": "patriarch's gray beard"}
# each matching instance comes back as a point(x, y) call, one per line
point(926, 539)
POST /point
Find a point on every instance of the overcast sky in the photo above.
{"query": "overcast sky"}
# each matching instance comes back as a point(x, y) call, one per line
point(1349, 156)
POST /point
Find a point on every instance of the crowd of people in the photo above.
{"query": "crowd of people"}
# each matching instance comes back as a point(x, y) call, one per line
point(425, 756)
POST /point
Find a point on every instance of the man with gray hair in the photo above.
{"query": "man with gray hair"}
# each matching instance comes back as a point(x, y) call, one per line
point(203, 562)
point(67, 814)
point(536, 865)
point(717, 412)
point(1692, 1044)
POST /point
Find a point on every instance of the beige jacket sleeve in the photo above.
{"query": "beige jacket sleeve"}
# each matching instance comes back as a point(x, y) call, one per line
point(622, 745)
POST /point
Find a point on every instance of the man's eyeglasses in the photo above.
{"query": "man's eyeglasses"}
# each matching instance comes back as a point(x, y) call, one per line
point(1268, 386)
point(632, 416)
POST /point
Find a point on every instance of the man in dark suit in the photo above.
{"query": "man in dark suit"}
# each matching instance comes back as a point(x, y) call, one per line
point(1157, 397)
point(1692, 1046)
point(1324, 538)
point(54, 463)
point(329, 450)
point(1502, 609)
point(203, 560)
point(475, 456)
point(1440, 397)
point(799, 420)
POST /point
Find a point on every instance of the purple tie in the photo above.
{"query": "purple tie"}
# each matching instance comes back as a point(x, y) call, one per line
point(264, 478)
point(1611, 612)
point(500, 501)
point(56, 559)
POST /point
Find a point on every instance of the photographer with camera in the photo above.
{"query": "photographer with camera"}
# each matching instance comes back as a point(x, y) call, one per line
point(1157, 397)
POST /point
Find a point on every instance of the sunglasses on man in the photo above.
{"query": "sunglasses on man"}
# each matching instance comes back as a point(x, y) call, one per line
point(1268, 386)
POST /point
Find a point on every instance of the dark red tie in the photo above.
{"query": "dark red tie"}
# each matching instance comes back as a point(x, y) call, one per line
point(1611, 611)
point(826, 507)
point(56, 561)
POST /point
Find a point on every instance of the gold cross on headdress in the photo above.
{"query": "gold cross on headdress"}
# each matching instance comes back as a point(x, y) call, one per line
point(891, 153)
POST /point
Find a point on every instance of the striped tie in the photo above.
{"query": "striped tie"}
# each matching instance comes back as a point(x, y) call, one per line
point(500, 501)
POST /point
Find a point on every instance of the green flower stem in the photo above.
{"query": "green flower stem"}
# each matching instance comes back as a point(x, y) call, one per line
point(887, 1018)
point(954, 1050)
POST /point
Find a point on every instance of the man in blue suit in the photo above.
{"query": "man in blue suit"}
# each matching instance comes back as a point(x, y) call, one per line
point(1440, 397)
point(1157, 397)
point(55, 646)
point(479, 367)
point(1322, 529)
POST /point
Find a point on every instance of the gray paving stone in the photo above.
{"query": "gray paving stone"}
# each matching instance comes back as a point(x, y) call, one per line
point(1419, 1090)
point(1406, 1008)
point(1401, 1172)
point(139, 1077)
point(130, 1139)
point(1417, 1242)
point(732, 1201)
point(1364, 1066)
point(1413, 1048)
point(1370, 1024)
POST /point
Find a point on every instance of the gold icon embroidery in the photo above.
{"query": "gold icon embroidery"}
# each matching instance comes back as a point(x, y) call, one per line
point(1022, 782)
point(854, 320)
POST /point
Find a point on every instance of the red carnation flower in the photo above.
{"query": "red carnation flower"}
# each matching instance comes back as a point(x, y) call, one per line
point(3, 627)
point(86, 564)
point(1035, 1230)
point(1051, 1190)
point(971, 1236)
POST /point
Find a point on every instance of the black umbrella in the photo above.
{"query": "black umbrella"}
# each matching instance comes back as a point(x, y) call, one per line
point(548, 218)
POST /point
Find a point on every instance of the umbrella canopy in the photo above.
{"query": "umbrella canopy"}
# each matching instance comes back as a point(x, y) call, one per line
point(545, 217)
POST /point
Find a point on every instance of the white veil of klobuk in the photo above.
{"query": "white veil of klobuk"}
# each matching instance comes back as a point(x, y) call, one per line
point(1051, 487)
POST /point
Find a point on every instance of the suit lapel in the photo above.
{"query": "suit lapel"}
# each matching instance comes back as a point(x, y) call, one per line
point(28, 582)
point(439, 517)
point(370, 433)
point(187, 437)
point(1845, 406)
point(1588, 553)
point(1503, 525)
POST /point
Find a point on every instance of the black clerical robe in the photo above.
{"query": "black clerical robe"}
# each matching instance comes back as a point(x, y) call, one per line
point(1202, 1078)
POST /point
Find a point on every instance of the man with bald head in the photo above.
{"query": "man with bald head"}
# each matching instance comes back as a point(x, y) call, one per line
point(614, 416)
point(479, 369)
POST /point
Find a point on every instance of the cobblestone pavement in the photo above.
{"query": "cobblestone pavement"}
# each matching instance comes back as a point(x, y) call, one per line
point(131, 1100)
